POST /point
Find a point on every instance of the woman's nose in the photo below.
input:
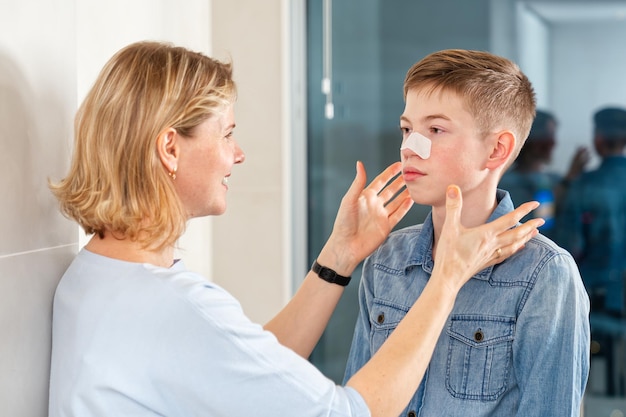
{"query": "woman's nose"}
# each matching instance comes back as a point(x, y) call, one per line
point(239, 155)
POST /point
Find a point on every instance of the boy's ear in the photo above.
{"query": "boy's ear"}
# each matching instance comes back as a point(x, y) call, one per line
point(502, 149)
point(168, 149)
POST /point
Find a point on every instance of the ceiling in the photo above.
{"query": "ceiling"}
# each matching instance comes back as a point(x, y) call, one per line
point(578, 11)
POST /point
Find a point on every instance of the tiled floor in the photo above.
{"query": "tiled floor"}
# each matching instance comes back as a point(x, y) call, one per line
point(596, 404)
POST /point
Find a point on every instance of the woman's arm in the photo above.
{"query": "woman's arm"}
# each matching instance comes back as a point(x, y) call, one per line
point(365, 218)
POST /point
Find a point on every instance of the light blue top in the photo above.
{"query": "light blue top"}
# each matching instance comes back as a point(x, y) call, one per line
point(515, 344)
point(133, 339)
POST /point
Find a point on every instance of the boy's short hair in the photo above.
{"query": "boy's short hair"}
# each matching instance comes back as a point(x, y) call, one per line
point(494, 89)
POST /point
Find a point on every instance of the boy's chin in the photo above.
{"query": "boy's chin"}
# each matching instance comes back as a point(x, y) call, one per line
point(428, 199)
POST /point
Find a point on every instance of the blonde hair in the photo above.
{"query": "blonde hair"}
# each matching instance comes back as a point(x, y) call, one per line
point(494, 90)
point(116, 181)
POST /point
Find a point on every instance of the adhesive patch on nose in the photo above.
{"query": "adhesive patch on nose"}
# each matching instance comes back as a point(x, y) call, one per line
point(417, 143)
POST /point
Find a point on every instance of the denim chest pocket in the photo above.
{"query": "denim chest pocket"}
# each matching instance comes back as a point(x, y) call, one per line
point(384, 318)
point(479, 356)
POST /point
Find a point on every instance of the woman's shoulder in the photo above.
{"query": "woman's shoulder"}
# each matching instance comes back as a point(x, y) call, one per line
point(99, 278)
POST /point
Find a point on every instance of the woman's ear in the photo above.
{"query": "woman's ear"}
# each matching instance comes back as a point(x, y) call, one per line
point(502, 150)
point(168, 149)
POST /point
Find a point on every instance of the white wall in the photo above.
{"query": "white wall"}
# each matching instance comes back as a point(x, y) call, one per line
point(50, 53)
point(584, 78)
point(37, 99)
point(503, 30)
point(250, 250)
point(533, 52)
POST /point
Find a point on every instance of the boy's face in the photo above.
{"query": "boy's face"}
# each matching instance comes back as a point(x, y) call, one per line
point(458, 153)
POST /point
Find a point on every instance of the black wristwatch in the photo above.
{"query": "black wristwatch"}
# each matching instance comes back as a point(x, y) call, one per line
point(329, 275)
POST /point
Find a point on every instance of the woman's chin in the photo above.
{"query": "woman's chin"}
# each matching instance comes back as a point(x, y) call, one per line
point(211, 211)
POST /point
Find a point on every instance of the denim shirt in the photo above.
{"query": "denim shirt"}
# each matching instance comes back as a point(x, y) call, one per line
point(515, 344)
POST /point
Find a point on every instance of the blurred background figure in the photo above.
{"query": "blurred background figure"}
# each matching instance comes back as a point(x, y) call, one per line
point(529, 177)
point(592, 222)
point(592, 226)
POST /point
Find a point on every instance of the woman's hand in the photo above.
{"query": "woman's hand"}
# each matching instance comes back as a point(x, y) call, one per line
point(365, 217)
point(463, 252)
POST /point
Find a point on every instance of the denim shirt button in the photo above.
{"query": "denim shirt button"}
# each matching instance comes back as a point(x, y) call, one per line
point(411, 414)
point(479, 336)
point(381, 318)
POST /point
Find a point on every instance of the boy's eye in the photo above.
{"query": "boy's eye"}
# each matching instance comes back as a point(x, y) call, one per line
point(435, 130)
point(405, 130)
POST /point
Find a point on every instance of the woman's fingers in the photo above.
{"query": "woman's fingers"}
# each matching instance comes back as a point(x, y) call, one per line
point(358, 183)
point(394, 195)
point(383, 188)
point(507, 236)
point(474, 249)
point(380, 182)
point(454, 205)
point(366, 215)
point(399, 207)
point(389, 189)
point(512, 219)
point(512, 240)
point(509, 240)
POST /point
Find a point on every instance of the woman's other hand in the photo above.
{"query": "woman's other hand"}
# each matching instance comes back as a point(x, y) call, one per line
point(462, 252)
point(365, 218)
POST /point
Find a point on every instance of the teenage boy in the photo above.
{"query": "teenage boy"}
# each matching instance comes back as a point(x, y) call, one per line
point(517, 340)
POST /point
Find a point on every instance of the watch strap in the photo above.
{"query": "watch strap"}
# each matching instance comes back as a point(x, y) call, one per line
point(329, 275)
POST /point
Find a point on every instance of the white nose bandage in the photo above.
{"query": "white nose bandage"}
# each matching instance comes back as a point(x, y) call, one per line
point(418, 144)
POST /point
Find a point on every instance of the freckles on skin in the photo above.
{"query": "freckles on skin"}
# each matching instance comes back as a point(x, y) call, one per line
point(206, 159)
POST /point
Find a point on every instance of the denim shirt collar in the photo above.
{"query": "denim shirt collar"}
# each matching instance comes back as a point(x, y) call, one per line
point(422, 253)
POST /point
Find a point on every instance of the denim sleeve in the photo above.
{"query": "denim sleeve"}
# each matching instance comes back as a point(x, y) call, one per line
point(551, 348)
point(360, 350)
